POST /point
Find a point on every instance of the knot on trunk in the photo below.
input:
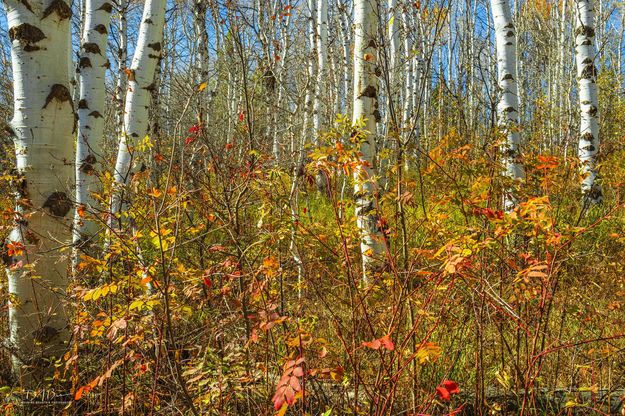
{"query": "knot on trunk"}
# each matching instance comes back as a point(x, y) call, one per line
point(107, 7)
point(45, 334)
point(58, 204)
point(370, 91)
point(101, 29)
point(586, 31)
point(60, 8)
point(91, 47)
point(60, 93)
point(84, 62)
point(87, 163)
point(27, 34)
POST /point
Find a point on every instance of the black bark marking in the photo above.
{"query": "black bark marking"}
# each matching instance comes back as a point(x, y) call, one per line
point(107, 7)
point(84, 62)
point(372, 44)
point(151, 55)
point(45, 334)
point(507, 77)
point(151, 87)
point(377, 116)
point(31, 237)
point(101, 29)
point(90, 47)
point(589, 148)
point(156, 46)
point(82, 104)
point(27, 34)
point(95, 114)
point(586, 31)
point(370, 92)
point(86, 166)
point(27, 5)
point(59, 92)
point(588, 136)
point(20, 184)
point(59, 7)
point(589, 71)
point(58, 204)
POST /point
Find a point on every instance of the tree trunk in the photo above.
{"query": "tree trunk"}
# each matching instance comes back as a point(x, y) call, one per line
point(373, 246)
point(92, 71)
point(588, 101)
point(508, 107)
point(140, 84)
point(43, 126)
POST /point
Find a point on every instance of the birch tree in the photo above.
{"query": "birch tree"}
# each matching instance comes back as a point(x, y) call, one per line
point(92, 71)
point(372, 246)
point(508, 106)
point(140, 84)
point(43, 125)
point(588, 101)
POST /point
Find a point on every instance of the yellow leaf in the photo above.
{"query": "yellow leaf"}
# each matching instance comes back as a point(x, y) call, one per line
point(429, 352)
point(154, 192)
point(282, 410)
point(202, 87)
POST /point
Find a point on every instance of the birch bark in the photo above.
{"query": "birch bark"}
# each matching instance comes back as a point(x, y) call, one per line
point(588, 101)
point(372, 246)
point(43, 126)
point(140, 84)
point(508, 107)
point(92, 66)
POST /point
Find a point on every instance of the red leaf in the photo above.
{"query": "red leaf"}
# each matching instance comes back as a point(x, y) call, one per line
point(443, 394)
point(294, 383)
point(278, 401)
point(451, 386)
point(189, 140)
point(375, 344)
point(387, 343)
point(228, 146)
point(289, 395)
point(207, 281)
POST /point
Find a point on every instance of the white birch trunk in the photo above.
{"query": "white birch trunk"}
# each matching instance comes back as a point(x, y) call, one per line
point(321, 38)
point(43, 124)
point(373, 245)
point(122, 57)
point(92, 71)
point(508, 107)
point(588, 101)
point(408, 77)
point(140, 84)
